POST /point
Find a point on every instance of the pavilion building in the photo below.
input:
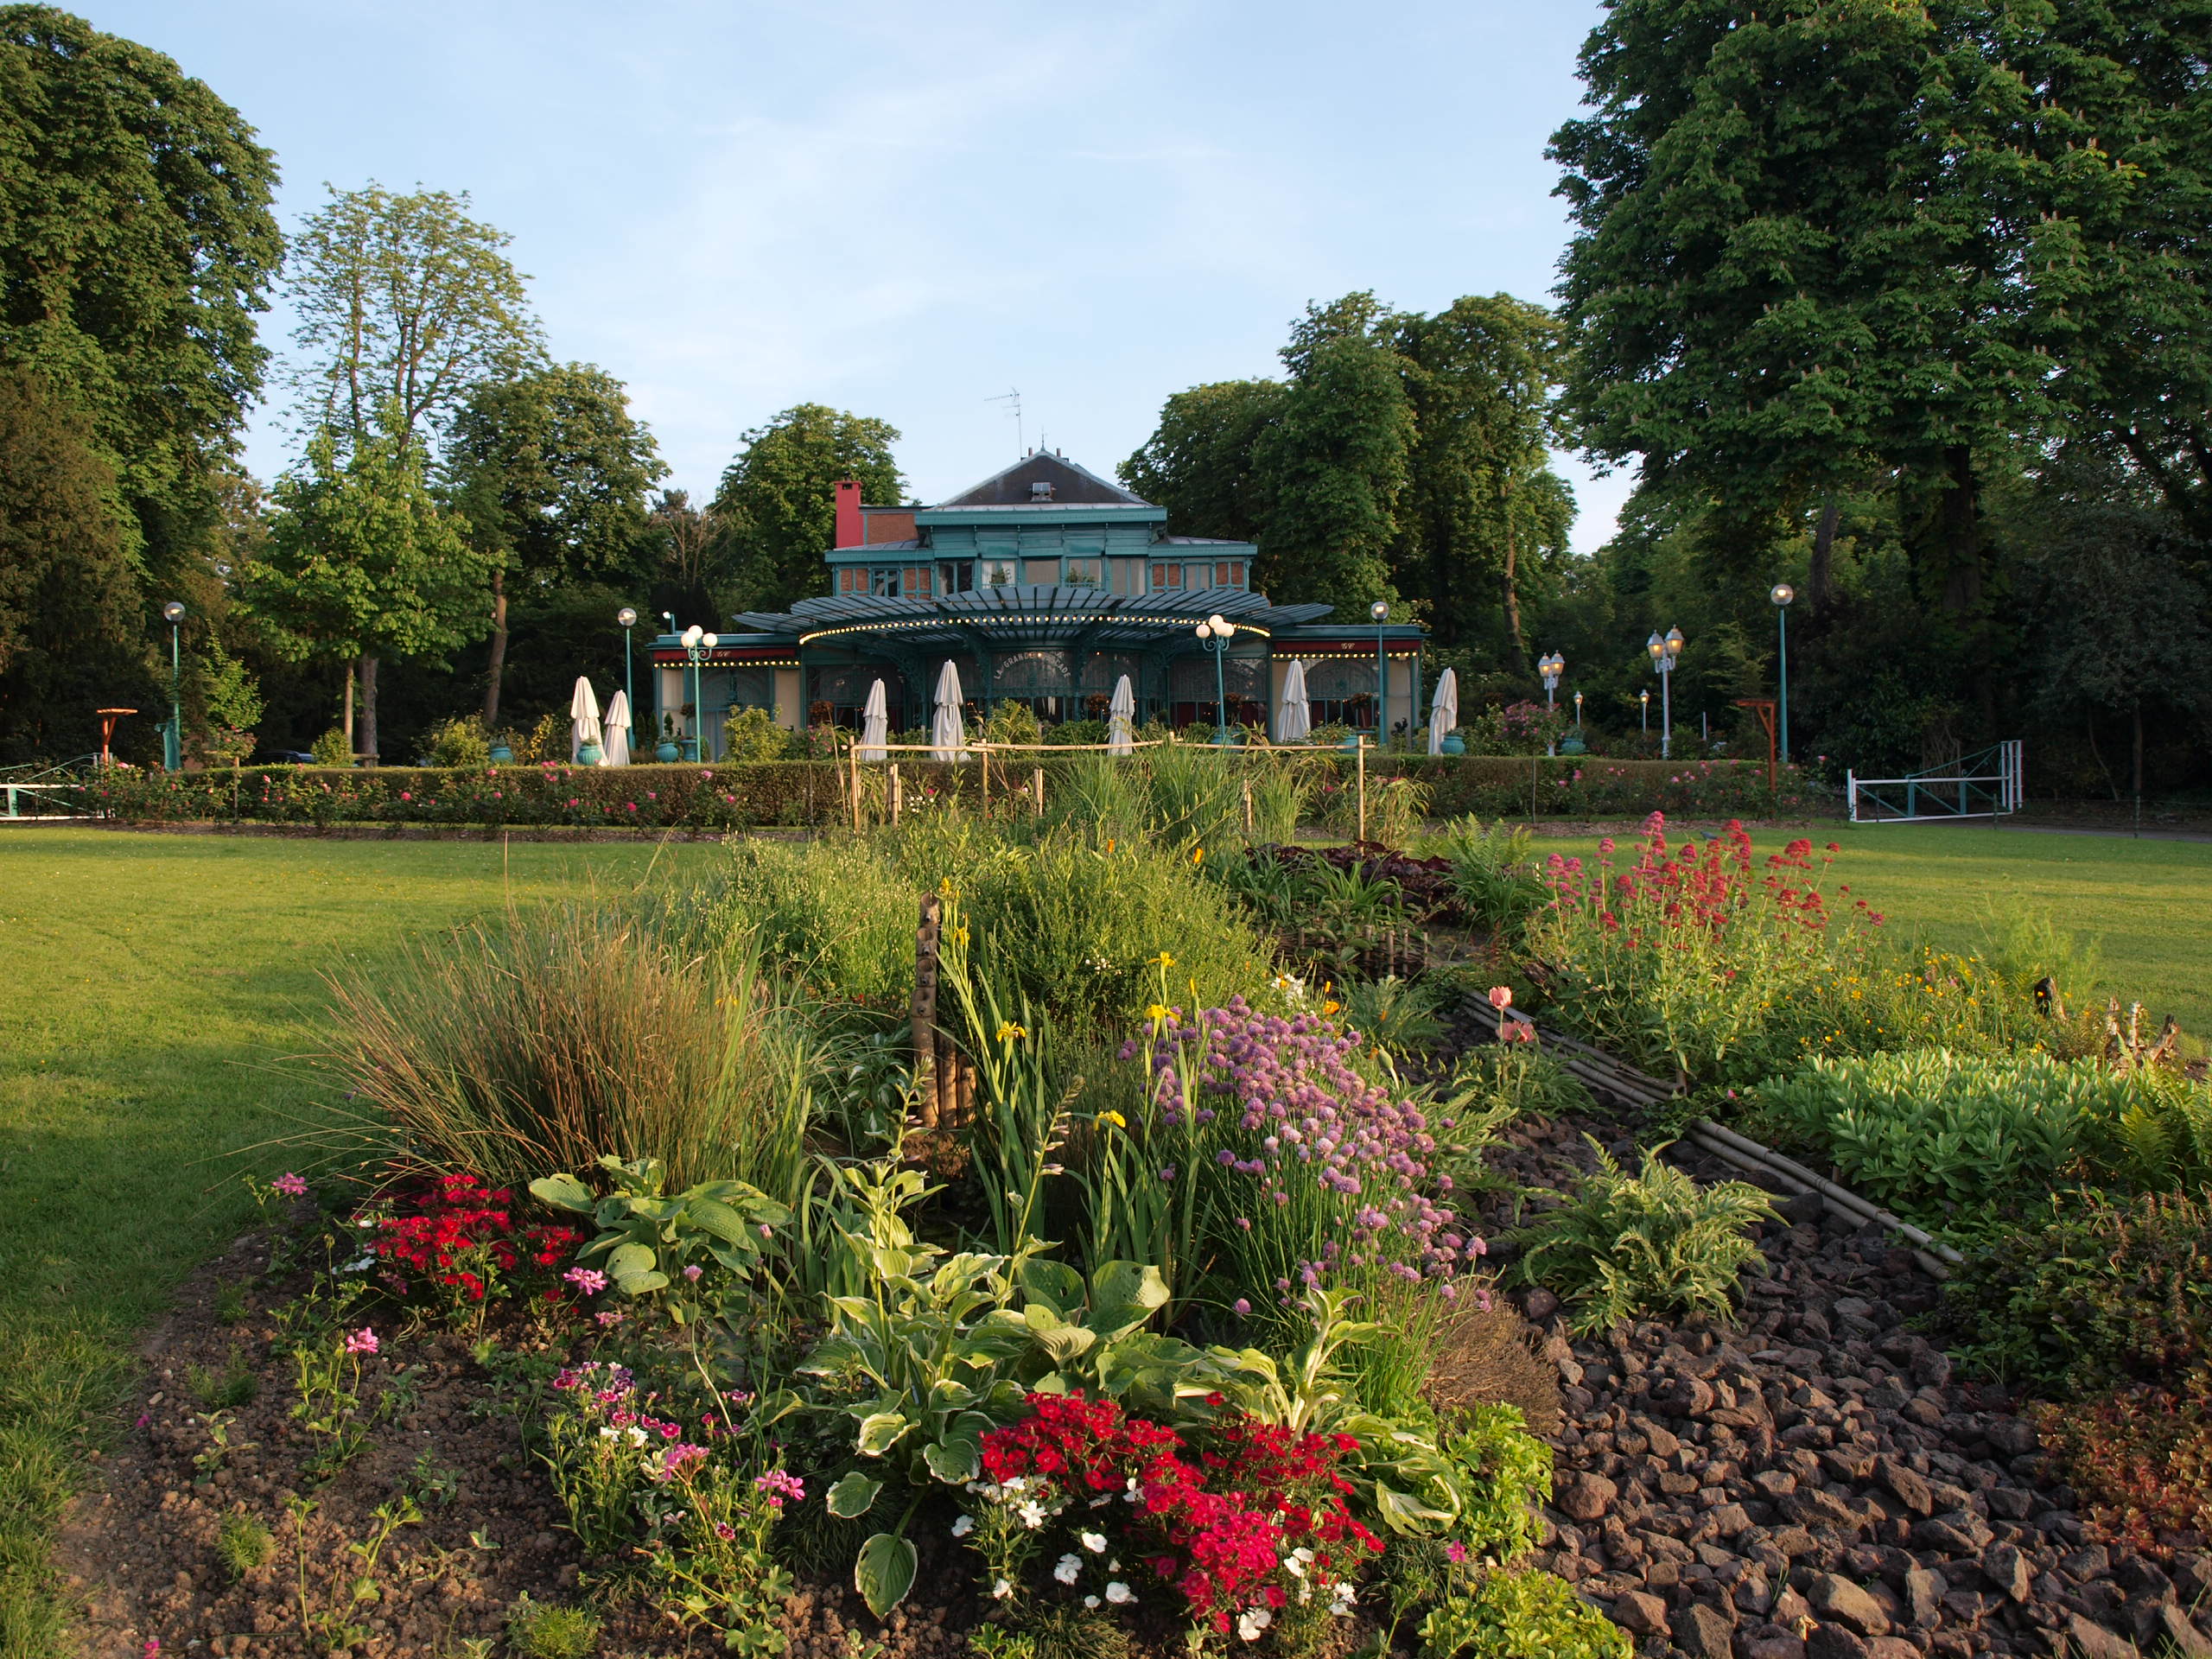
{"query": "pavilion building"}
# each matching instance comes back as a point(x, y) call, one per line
point(1044, 584)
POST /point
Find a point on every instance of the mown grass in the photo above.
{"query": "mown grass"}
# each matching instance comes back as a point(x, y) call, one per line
point(2147, 904)
point(156, 989)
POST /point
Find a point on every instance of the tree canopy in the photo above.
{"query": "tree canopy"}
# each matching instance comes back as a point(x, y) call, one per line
point(776, 506)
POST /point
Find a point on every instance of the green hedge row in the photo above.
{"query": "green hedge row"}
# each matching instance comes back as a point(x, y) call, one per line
point(814, 792)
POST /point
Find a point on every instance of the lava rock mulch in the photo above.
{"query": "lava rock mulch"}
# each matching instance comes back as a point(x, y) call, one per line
point(1815, 1483)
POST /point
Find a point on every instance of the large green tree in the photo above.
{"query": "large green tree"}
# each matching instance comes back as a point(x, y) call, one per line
point(778, 501)
point(363, 563)
point(1198, 463)
point(405, 303)
point(70, 634)
point(551, 472)
point(137, 246)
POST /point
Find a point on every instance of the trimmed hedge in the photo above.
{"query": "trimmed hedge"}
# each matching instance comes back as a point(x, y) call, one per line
point(800, 792)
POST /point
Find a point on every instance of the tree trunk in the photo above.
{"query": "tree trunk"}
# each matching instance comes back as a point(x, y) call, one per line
point(1512, 580)
point(1817, 580)
point(349, 712)
point(1961, 531)
point(369, 709)
point(2135, 714)
point(2089, 719)
point(498, 665)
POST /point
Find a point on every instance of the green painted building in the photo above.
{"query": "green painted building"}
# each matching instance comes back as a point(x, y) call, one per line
point(1044, 584)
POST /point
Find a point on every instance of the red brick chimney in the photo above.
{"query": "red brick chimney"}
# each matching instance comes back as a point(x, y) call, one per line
point(849, 512)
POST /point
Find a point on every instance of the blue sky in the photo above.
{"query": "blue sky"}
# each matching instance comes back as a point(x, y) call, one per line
point(904, 210)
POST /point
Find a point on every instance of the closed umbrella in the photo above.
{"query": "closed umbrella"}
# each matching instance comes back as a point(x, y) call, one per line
point(1120, 718)
point(948, 731)
point(617, 730)
point(1293, 718)
point(1444, 711)
point(875, 722)
point(583, 721)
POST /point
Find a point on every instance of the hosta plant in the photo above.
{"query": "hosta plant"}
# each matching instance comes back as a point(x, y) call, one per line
point(1625, 1246)
point(649, 1240)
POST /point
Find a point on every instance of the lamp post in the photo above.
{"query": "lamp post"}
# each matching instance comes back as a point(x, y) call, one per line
point(1577, 714)
point(1214, 635)
point(1782, 592)
point(1664, 654)
point(1644, 698)
point(698, 646)
point(1380, 610)
point(1551, 668)
point(173, 739)
point(627, 616)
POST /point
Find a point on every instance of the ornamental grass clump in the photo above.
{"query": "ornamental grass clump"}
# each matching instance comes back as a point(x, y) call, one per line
point(1711, 965)
point(1625, 1246)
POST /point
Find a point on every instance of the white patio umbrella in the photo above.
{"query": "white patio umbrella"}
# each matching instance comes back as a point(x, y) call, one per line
point(948, 731)
point(1443, 710)
point(875, 722)
point(583, 717)
point(617, 724)
point(1294, 718)
point(1121, 718)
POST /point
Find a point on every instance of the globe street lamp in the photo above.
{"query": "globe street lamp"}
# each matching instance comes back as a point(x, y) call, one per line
point(698, 646)
point(1551, 668)
point(1644, 698)
point(1214, 635)
point(173, 739)
point(1782, 592)
point(627, 617)
point(1664, 654)
point(1380, 610)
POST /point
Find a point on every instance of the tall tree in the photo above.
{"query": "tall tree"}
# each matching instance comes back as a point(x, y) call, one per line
point(1483, 507)
point(405, 303)
point(551, 473)
point(362, 562)
point(778, 501)
point(1198, 463)
point(1336, 458)
point(1807, 235)
point(69, 611)
point(136, 245)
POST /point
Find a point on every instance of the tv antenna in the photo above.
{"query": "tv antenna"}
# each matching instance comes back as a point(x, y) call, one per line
point(1013, 396)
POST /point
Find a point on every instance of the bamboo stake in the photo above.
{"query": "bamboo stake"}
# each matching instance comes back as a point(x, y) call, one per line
point(853, 767)
point(922, 1012)
point(1036, 782)
point(897, 793)
point(1247, 807)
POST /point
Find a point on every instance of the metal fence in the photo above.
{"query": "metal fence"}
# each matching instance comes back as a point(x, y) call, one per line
point(1988, 784)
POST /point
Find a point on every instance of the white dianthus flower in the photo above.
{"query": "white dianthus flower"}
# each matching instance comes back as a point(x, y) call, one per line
point(1094, 1542)
point(963, 1526)
point(1069, 1569)
point(1252, 1621)
point(1117, 1592)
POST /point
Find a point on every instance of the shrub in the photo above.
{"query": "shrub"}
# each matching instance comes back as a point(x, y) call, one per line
point(753, 734)
point(568, 1034)
point(2112, 1294)
point(1494, 873)
point(1627, 1246)
point(837, 916)
point(1516, 1614)
point(458, 742)
point(331, 748)
point(1928, 1129)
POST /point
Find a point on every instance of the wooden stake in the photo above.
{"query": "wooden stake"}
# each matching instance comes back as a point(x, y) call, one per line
point(1037, 782)
point(922, 1011)
point(897, 793)
point(1361, 763)
point(852, 763)
point(1248, 808)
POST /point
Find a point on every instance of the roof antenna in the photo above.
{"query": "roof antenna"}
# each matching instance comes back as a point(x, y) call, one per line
point(1013, 396)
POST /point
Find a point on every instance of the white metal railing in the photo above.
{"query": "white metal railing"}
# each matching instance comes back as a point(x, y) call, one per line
point(1946, 792)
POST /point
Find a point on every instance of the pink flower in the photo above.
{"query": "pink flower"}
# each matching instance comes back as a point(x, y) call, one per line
point(1455, 1553)
point(781, 1483)
point(291, 1185)
point(1517, 1030)
point(586, 1280)
point(363, 1341)
point(724, 1531)
point(1501, 997)
point(692, 1272)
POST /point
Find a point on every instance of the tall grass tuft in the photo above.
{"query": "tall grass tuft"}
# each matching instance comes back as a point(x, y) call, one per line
point(571, 1032)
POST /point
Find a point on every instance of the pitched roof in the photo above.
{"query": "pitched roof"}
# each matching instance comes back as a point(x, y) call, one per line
point(1072, 486)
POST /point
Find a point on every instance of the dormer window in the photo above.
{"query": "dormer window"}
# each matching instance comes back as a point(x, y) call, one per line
point(1040, 491)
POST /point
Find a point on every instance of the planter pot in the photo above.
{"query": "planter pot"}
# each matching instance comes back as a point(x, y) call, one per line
point(666, 752)
point(1351, 742)
point(1454, 744)
point(1573, 746)
point(501, 755)
point(590, 754)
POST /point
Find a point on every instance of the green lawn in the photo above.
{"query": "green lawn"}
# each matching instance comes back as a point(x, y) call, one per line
point(2147, 903)
point(158, 987)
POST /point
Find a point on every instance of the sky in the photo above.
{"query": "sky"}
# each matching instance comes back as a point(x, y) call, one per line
point(909, 210)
